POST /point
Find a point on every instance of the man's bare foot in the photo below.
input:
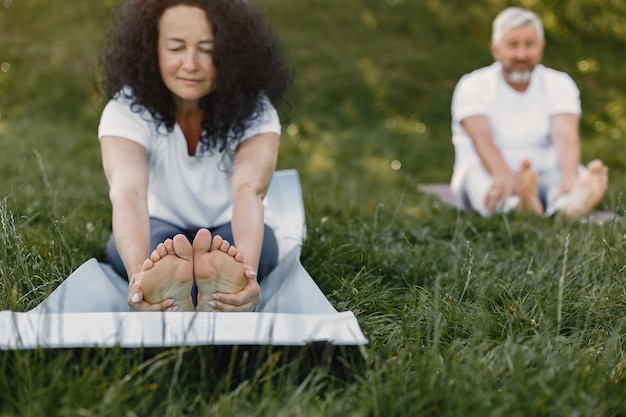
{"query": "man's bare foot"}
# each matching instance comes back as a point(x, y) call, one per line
point(527, 189)
point(588, 190)
point(168, 273)
point(217, 267)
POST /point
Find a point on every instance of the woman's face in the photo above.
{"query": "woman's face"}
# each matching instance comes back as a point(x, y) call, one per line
point(185, 51)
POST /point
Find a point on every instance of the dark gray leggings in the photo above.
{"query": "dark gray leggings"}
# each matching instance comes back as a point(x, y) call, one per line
point(161, 230)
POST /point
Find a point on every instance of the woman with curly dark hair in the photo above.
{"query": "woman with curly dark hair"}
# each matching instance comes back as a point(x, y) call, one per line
point(189, 143)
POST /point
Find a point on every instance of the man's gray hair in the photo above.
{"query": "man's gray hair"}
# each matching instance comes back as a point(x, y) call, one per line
point(514, 17)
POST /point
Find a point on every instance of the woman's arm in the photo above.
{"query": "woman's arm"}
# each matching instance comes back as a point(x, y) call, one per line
point(126, 170)
point(253, 167)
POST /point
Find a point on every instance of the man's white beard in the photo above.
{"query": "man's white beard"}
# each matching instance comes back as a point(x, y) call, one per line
point(519, 77)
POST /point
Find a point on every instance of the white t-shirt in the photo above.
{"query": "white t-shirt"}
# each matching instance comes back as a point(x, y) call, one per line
point(187, 191)
point(520, 121)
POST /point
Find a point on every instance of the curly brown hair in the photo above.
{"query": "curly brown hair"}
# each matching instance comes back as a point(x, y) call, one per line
point(247, 55)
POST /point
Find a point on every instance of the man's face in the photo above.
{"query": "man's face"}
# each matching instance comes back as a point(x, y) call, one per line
point(519, 50)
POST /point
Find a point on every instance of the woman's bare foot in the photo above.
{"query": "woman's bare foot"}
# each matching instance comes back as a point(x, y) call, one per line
point(217, 267)
point(527, 189)
point(168, 273)
point(588, 190)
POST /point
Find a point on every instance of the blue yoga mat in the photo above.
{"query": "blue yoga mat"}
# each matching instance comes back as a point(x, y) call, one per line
point(90, 309)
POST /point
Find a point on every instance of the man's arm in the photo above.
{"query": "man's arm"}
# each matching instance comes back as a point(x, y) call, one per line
point(503, 186)
point(565, 138)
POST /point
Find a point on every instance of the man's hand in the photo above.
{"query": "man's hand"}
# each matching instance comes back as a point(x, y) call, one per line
point(502, 187)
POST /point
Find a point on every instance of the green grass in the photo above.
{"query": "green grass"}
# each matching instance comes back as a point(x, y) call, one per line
point(466, 316)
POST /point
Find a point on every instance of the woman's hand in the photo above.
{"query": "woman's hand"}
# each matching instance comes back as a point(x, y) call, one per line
point(245, 300)
point(136, 301)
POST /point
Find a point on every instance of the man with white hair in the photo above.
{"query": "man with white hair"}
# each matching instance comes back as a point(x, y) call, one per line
point(515, 131)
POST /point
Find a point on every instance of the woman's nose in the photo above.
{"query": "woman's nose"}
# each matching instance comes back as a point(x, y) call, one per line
point(190, 60)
